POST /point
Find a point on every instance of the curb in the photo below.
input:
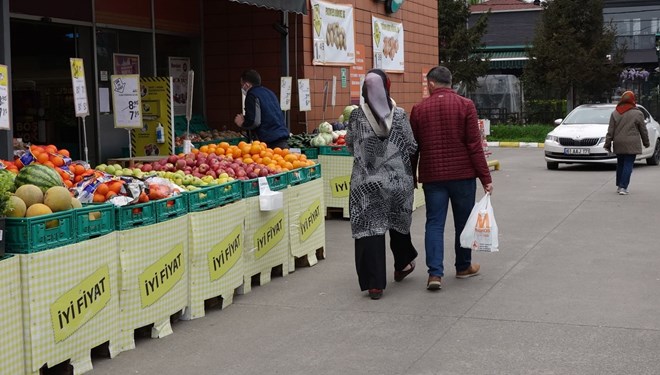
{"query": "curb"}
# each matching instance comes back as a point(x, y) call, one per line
point(516, 144)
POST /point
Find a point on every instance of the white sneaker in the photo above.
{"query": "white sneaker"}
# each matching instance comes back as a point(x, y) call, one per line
point(623, 191)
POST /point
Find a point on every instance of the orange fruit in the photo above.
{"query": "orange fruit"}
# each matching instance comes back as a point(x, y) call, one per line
point(110, 194)
point(102, 189)
point(204, 148)
point(68, 184)
point(41, 157)
point(99, 198)
point(64, 152)
point(277, 151)
point(51, 149)
point(224, 145)
point(57, 160)
point(143, 198)
point(115, 186)
point(79, 169)
point(49, 164)
point(248, 160)
point(219, 151)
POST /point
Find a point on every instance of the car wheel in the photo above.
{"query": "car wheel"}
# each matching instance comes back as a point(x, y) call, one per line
point(655, 158)
point(552, 165)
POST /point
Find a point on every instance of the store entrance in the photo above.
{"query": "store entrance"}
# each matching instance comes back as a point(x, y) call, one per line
point(43, 111)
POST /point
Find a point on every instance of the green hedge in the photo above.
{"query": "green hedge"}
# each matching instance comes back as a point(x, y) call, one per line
point(519, 133)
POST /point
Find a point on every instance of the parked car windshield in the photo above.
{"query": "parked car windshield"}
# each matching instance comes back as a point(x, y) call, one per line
point(589, 115)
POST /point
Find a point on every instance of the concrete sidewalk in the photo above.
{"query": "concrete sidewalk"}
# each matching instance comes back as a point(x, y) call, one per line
point(575, 289)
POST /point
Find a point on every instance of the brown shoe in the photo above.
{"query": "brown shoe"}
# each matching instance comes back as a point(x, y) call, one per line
point(400, 275)
point(434, 283)
point(473, 270)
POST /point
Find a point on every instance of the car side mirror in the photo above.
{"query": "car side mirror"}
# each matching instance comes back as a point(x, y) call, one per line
point(558, 121)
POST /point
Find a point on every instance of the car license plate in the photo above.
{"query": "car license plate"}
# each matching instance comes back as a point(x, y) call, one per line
point(576, 151)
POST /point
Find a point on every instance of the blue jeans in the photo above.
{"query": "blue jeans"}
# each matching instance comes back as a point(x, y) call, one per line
point(461, 194)
point(624, 168)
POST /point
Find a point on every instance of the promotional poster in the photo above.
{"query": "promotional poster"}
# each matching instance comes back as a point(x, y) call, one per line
point(157, 116)
point(334, 33)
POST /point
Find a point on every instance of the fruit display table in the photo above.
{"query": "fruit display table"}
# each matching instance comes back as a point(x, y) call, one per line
point(70, 300)
point(306, 222)
point(336, 181)
point(217, 244)
point(11, 345)
point(126, 162)
point(266, 242)
point(154, 277)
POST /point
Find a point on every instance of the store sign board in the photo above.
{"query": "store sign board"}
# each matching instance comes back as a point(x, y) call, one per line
point(126, 101)
point(4, 98)
point(333, 32)
point(160, 277)
point(269, 235)
point(387, 40)
point(224, 255)
point(79, 87)
point(80, 304)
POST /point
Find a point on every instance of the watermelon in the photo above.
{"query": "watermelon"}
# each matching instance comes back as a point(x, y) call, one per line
point(40, 175)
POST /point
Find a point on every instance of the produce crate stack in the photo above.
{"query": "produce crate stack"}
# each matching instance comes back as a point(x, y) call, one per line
point(154, 277)
point(337, 166)
point(11, 345)
point(306, 223)
point(70, 301)
point(217, 243)
point(266, 242)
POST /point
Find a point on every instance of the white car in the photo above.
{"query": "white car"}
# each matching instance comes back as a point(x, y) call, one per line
point(580, 137)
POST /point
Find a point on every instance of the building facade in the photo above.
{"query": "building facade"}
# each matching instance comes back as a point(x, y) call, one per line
point(219, 38)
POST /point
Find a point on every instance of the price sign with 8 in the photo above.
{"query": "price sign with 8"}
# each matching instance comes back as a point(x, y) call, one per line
point(126, 101)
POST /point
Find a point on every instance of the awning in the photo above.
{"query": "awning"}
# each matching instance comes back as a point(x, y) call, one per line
point(507, 59)
point(296, 6)
point(647, 56)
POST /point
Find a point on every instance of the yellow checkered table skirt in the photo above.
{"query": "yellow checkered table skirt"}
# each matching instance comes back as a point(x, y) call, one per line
point(217, 243)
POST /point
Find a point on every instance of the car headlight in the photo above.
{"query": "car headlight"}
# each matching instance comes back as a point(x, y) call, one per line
point(601, 140)
point(551, 138)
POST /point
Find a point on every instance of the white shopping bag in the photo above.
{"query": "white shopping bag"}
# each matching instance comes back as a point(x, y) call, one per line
point(480, 232)
point(269, 200)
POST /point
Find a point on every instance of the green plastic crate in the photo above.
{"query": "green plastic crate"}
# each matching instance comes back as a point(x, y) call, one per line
point(94, 220)
point(31, 234)
point(311, 153)
point(334, 150)
point(135, 215)
point(275, 182)
point(313, 171)
point(213, 196)
point(203, 198)
point(230, 192)
point(298, 176)
point(172, 207)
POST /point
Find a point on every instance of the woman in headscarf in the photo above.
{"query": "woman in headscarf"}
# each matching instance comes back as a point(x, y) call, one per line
point(381, 194)
point(626, 128)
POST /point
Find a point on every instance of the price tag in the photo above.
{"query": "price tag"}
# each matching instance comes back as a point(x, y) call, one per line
point(126, 101)
point(304, 95)
point(4, 98)
point(79, 87)
point(285, 93)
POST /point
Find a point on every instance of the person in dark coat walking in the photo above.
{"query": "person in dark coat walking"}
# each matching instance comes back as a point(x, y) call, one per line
point(381, 192)
point(627, 127)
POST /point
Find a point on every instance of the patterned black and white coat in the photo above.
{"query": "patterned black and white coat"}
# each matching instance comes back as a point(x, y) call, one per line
point(382, 187)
